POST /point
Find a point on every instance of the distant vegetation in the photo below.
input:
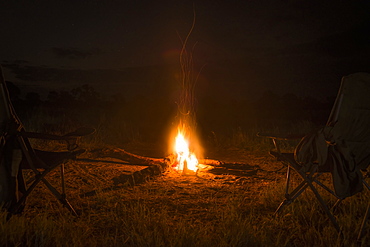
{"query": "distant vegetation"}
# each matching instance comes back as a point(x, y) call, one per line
point(147, 118)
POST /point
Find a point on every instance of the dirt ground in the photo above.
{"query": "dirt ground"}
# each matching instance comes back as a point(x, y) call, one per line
point(138, 172)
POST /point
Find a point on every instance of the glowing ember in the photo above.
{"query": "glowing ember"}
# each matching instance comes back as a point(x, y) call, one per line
point(186, 160)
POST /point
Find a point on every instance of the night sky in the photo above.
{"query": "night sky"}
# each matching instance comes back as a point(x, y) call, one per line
point(132, 47)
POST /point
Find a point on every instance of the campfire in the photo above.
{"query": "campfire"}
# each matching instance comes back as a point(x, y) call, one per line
point(185, 159)
point(185, 143)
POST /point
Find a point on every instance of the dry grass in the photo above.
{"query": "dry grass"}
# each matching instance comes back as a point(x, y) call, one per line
point(175, 210)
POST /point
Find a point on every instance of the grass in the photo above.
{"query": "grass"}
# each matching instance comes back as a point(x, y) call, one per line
point(182, 212)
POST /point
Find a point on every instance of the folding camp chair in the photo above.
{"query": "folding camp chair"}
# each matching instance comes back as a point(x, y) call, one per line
point(341, 148)
point(17, 154)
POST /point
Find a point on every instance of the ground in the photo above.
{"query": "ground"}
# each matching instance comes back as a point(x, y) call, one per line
point(132, 194)
point(141, 172)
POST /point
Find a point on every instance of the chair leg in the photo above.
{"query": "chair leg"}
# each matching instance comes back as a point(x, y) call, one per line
point(287, 182)
point(307, 182)
point(16, 208)
point(362, 229)
point(61, 197)
point(325, 188)
point(324, 206)
point(289, 198)
point(366, 217)
point(62, 180)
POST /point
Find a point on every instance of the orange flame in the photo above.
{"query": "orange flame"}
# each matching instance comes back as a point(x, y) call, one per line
point(185, 158)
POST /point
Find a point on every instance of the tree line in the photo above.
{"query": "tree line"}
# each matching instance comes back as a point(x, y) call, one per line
point(147, 117)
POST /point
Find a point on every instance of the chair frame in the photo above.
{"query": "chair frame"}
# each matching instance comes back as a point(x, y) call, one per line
point(16, 134)
point(34, 163)
point(310, 178)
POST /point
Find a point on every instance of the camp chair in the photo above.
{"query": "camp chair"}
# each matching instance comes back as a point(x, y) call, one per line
point(17, 154)
point(341, 148)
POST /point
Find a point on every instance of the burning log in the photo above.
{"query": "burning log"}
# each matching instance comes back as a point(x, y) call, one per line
point(154, 166)
point(185, 160)
point(122, 154)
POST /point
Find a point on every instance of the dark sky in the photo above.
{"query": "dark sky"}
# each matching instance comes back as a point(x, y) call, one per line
point(247, 47)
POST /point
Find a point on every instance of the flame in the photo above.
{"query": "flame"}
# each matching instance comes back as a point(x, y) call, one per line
point(185, 158)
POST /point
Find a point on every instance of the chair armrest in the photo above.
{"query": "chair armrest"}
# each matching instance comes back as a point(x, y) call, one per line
point(285, 137)
point(83, 131)
point(280, 137)
point(69, 136)
point(43, 136)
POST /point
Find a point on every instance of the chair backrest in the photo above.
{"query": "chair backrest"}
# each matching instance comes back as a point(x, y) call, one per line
point(9, 159)
point(4, 107)
point(8, 117)
point(349, 121)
